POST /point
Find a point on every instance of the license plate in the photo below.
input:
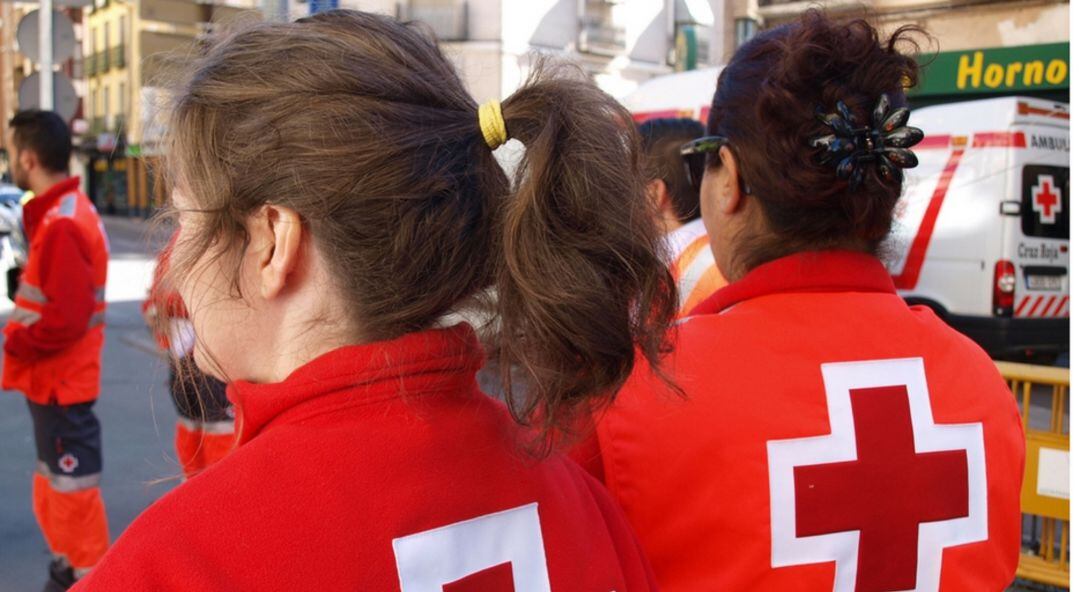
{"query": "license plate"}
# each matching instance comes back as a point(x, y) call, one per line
point(1044, 282)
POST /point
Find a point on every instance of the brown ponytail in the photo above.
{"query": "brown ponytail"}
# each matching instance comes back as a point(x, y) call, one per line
point(362, 126)
point(579, 283)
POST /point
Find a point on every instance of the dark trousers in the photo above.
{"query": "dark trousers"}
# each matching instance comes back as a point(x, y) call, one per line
point(68, 439)
point(67, 497)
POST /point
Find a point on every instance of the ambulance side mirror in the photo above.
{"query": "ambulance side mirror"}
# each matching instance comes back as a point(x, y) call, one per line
point(1010, 208)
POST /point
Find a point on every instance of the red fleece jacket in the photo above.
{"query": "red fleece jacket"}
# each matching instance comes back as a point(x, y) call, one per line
point(380, 467)
point(831, 438)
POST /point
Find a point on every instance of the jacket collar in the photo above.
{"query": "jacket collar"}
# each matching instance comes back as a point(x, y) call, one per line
point(35, 209)
point(815, 271)
point(438, 360)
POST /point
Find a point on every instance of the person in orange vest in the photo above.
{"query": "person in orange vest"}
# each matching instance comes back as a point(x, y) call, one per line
point(205, 430)
point(678, 205)
point(53, 341)
point(828, 437)
point(324, 266)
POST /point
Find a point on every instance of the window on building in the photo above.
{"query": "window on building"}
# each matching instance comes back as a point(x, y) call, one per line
point(745, 29)
point(107, 49)
point(98, 122)
point(118, 57)
point(89, 59)
point(107, 109)
point(603, 27)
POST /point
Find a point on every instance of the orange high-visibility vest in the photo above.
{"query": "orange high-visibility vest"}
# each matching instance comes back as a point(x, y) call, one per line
point(73, 375)
point(693, 266)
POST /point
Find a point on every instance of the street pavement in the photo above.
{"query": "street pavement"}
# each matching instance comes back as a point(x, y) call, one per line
point(136, 415)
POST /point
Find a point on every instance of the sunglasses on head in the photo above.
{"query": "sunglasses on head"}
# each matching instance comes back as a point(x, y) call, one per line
point(701, 153)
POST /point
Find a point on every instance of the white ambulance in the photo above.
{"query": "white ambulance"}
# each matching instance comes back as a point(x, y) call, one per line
point(982, 230)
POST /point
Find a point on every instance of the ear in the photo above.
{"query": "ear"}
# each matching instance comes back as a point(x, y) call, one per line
point(731, 197)
point(27, 160)
point(276, 233)
point(658, 193)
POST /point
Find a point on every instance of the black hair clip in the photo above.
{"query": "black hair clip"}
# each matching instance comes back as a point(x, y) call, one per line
point(884, 143)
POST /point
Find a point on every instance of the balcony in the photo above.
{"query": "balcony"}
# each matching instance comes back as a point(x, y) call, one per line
point(119, 56)
point(96, 63)
point(449, 19)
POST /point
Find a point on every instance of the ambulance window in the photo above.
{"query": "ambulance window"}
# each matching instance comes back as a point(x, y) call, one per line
point(1045, 194)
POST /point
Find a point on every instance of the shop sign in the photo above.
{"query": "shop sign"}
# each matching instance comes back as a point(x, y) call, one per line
point(997, 70)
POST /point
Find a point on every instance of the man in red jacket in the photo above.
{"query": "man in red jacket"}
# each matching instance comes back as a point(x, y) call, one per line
point(53, 339)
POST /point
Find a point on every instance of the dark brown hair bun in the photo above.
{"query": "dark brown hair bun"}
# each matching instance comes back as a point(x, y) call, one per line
point(766, 102)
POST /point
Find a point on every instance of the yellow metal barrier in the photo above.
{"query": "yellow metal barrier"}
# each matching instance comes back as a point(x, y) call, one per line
point(1044, 498)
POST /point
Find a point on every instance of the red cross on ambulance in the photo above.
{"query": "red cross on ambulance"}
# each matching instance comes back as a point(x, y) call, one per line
point(1046, 199)
point(886, 492)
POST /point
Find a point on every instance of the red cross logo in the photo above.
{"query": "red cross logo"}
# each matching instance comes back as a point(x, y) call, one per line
point(886, 491)
point(68, 463)
point(495, 579)
point(499, 552)
point(1047, 199)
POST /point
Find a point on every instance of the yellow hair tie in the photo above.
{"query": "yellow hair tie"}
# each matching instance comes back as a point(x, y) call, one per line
point(492, 124)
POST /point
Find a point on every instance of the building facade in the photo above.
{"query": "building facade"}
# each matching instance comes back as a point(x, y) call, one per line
point(134, 52)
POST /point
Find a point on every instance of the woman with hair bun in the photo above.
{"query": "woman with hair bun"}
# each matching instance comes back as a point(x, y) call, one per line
point(831, 437)
point(338, 200)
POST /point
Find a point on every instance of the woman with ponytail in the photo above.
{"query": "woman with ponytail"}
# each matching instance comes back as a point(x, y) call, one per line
point(338, 200)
